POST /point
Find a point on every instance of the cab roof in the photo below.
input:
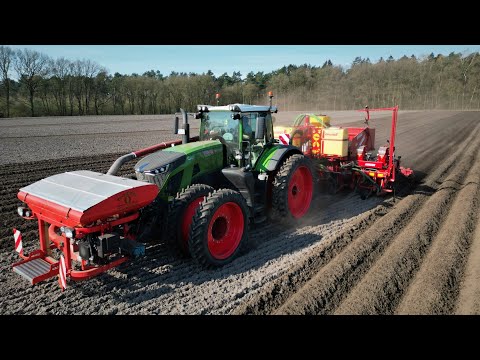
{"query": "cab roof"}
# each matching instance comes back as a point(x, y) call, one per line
point(240, 108)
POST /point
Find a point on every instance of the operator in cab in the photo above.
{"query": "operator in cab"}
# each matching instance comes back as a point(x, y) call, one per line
point(247, 128)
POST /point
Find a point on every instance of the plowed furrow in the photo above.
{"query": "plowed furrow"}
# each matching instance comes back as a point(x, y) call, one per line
point(468, 301)
point(382, 287)
point(435, 287)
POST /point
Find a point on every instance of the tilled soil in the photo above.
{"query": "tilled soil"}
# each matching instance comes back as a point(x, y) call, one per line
point(414, 254)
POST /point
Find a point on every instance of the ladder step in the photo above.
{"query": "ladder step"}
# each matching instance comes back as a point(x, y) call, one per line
point(33, 269)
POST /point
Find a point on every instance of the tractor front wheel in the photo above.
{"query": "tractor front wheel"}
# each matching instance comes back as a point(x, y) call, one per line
point(181, 214)
point(293, 188)
point(219, 229)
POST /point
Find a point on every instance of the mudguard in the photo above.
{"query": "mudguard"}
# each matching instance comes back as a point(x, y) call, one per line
point(273, 158)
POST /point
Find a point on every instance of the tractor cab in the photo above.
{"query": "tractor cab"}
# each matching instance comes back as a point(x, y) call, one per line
point(243, 129)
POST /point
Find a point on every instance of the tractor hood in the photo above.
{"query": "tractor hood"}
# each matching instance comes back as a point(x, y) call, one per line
point(159, 160)
point(175, 156)
point(173, 168)
point(197, 146)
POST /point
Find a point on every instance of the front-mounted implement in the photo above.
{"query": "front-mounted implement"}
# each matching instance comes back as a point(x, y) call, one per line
point(84, 216)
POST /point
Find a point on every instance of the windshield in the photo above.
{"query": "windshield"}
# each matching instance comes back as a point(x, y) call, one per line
point(219, 123)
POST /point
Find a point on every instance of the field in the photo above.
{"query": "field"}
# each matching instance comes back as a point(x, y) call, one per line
point(418, 254)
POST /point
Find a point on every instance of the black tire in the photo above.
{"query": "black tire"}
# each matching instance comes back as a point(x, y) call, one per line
point(200, 236)
point(176, 215)
point(281, 183)
point(151, 225)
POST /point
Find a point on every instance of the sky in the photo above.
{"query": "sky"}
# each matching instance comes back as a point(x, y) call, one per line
point(128, 59)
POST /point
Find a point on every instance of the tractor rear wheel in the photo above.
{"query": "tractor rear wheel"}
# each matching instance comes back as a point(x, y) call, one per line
point(293, 188)
point(219, 229)
point(181, 214)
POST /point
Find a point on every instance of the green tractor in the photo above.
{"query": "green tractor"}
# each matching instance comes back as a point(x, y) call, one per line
point(236, 174)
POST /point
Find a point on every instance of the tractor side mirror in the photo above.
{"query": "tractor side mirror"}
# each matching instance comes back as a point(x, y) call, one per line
point(260, 128)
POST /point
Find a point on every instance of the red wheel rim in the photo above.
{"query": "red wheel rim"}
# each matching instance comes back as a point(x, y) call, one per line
point(300, 192)
point(188, 218)
point(225, 230)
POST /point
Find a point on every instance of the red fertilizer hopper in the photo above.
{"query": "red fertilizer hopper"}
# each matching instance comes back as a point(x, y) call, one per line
point(80, 198)
point(77, 204)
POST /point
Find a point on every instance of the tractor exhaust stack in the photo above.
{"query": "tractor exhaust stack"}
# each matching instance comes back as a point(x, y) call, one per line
point(186, 127)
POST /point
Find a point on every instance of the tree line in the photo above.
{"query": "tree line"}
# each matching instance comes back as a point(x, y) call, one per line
point(45, 86)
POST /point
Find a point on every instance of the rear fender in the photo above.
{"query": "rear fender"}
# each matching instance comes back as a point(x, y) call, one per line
point(274, 157)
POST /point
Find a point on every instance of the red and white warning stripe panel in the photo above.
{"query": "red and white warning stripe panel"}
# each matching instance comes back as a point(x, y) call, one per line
point(284, 138)
point(18, 241)
point(62, 273)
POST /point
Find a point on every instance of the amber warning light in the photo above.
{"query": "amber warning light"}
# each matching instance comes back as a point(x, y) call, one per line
point(270, 93)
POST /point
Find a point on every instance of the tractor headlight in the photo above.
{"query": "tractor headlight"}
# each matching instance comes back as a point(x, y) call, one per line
point(161, 169)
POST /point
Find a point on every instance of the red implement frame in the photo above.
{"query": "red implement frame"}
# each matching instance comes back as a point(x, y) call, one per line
point(393, 131)
point(357, 169)
point(382, 171)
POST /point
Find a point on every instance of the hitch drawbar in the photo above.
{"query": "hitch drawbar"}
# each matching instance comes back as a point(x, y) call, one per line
point(89, 217)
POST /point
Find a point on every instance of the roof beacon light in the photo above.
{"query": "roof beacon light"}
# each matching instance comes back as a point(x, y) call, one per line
point(270, 96)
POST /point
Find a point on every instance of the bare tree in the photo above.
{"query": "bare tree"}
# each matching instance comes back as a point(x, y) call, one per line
point(79, 89)
point(100, 92)
point(60, 73)
point(71, 86)
point(31, 66)
point(465, 66)
point(90, 71)
point(6, 57)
